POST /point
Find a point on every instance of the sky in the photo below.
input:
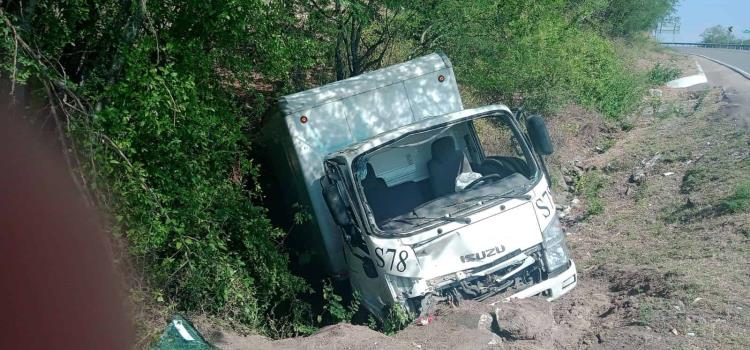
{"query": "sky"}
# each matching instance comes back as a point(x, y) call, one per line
point(697, 15)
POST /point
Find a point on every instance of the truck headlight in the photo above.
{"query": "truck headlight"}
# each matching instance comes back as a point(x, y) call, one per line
point(555, 251)
point(402, 286)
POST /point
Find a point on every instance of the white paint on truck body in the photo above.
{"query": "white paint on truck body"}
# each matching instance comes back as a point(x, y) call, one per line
point(353, 110)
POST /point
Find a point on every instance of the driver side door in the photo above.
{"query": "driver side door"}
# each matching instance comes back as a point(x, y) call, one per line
point(363, 275)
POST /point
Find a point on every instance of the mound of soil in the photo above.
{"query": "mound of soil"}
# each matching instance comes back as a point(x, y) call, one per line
point(338, 336)
point(467, 327)
point(527, 319)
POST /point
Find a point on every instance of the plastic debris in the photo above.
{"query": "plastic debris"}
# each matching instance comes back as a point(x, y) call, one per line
point(181, 334)
point(423, 321)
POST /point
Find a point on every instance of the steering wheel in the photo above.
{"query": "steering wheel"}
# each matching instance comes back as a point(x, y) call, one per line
point(482, 180)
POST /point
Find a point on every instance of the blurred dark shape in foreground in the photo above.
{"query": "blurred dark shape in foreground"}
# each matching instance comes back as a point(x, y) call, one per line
point(58, 286)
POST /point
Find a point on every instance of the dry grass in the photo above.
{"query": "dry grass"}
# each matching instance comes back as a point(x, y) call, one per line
point(673, 226)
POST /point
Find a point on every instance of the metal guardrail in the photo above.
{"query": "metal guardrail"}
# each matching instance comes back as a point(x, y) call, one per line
point(710, 45)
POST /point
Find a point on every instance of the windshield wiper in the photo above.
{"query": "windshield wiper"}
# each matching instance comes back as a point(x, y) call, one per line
point(410, 219)
point(498, 196)
point(490, 197)
point(506, 195)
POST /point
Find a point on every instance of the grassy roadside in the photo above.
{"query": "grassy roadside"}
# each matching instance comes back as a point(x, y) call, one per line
point(671, 223)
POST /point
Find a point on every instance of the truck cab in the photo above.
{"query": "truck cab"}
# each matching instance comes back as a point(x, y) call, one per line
point(420, 201)
point(453, 207)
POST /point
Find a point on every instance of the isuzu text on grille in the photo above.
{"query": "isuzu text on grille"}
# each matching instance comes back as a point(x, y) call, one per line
point(483, 254)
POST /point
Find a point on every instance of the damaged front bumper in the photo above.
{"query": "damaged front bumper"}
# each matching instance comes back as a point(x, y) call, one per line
point(553, 287)
point(521, 271)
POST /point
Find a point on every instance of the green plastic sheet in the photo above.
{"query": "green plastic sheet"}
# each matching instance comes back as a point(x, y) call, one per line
point(181, 334)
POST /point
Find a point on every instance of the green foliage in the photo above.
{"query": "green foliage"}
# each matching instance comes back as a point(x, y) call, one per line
point(589, 185)
point(372, 323)
point(655, 102)
point(694, 179)
point(661, 74)
point(537, 54)
point(176, 164)
point(396, 319)
point(335, 308)
point(645, 313)
point(719, 34)
point(172, 88)
point(302, 214)
point(739, 201)
point(629, 17)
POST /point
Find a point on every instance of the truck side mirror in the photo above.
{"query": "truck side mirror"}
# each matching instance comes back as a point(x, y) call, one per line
point(539, 135)
point(335, 204)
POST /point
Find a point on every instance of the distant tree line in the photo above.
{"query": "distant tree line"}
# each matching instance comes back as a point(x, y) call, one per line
point(719, 34)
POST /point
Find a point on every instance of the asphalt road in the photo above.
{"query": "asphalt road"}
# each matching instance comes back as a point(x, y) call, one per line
point(737, 58)
point(736, 89)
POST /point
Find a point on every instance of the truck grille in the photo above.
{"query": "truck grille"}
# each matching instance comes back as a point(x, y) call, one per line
point(483, 282)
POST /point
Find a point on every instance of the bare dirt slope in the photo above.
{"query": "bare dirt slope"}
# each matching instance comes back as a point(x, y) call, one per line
point(654, 214)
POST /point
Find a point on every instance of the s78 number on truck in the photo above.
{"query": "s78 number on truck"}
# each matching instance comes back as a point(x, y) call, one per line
point(399, 264)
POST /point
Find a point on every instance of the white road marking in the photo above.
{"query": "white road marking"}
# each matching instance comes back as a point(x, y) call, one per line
point(691, 80)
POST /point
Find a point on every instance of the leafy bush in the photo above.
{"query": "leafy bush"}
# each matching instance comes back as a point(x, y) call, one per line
point(661, 74)
point(334, 307)
point(161, 131)
point(531, 54)
point(719, 34)
point(694, 179)
point(396, 319)
point(645, 314)
point(176, 165)
point(629, 17)
point(739, 201)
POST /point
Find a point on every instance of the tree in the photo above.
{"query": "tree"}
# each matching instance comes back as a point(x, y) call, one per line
point(155, 99)
point(362, 31)
point(628, 17)
point(533, 54)
point(718, 34)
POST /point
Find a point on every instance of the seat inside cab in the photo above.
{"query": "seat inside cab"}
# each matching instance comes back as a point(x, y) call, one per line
point(424, 166)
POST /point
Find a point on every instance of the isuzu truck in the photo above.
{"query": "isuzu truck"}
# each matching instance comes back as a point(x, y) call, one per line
point(417, 200)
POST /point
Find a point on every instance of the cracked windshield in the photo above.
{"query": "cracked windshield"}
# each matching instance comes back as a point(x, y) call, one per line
point(436, 175)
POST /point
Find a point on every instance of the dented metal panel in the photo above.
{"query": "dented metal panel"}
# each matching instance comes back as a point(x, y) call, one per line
point(479, 243)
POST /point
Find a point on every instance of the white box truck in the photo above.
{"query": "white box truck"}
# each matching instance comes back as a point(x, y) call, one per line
point(417, 200)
